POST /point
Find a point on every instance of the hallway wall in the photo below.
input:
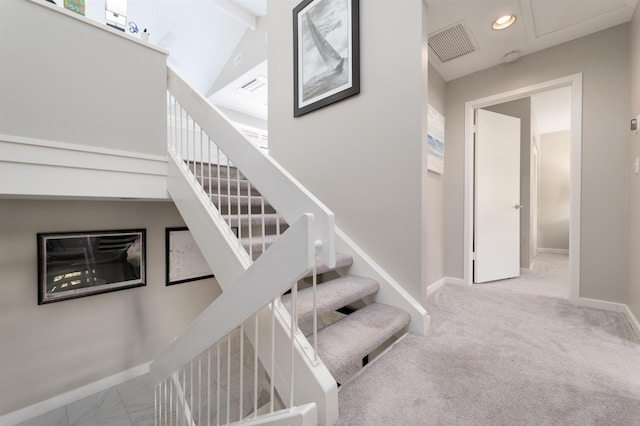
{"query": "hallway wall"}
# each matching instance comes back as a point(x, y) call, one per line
point(603, 60)
point(47, 350)
point(554, 180)
point(363, 157)
point(634, 180)
point(434, 255)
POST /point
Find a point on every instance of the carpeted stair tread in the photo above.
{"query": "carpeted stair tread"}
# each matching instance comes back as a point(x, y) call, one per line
point(225, 185)
point(244, 200)
point(256, 242)
point(342, 261)
point(331, 295)
point(270, 219)
point(346, 342)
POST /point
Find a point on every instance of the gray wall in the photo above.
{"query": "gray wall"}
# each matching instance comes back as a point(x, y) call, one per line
point(50, 349)
point(364, 156)
point(521, 109)
point(603, 60)
point(553, 191)
point(633, 299)
point(44, 86)
point(434, 258)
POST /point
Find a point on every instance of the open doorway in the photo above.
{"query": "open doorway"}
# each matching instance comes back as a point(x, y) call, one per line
point(533, 238)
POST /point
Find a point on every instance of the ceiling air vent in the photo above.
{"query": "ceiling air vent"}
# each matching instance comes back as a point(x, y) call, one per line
point(451, 42)
point(255, 84)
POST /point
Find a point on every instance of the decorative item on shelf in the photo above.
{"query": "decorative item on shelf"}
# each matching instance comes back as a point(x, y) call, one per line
point(326, 53)
point(133, 28)
point(77, 264)
point(184, 261)
point(76, 6)
point(144, 35)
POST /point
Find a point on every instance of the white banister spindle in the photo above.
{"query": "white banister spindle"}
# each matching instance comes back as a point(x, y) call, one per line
point(209, 387)
point(228, 378)
point(191, 385)
point(249, 231)
point(315, 315)
point(264, 232)
point(218, 384)
point(294, 325)
point(272, 369)
point(255, 365)
point(241, 387)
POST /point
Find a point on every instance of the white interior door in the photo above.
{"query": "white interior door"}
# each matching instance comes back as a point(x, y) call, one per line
point(497, 197)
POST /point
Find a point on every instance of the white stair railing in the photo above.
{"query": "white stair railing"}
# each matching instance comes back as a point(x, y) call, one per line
point(229, 193)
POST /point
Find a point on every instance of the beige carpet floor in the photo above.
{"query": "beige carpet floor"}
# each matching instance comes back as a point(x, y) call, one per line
point(502, 355)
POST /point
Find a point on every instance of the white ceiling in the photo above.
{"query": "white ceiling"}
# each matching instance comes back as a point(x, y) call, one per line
point(539, 24)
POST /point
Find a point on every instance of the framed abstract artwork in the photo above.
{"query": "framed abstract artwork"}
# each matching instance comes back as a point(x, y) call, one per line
point(326, 53)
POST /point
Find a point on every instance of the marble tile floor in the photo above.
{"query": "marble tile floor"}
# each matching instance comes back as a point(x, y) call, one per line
point(127, 404)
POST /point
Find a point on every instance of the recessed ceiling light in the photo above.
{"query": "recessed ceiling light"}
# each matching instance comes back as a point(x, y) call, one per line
point(504, 22)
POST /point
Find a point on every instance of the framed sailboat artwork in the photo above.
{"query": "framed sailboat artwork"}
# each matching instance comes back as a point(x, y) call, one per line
point(326, 53)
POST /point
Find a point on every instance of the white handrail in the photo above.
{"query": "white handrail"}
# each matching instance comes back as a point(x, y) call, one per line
point(294, 254)
point(284, 193)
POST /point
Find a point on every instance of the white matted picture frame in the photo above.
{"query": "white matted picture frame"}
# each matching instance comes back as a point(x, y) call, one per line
point(184, 261)
point(326, 53)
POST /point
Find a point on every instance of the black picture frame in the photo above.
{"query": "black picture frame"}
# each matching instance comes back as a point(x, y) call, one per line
point(181, 248)
point(326, 52)
point(79, 264)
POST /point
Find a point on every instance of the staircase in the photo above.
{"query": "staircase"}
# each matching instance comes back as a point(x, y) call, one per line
point(351, 325)
point(311, 303)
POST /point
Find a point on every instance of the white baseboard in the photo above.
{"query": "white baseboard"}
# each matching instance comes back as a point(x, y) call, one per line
point(61, 400)
point(456, 281)
point(553, 250)
point(600, 304)
point(434, 287)
point(633, 320)
point(612, 307)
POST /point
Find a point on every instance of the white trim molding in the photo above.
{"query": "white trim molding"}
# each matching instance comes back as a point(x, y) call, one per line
point(42, 168)
point(434, 287)
point(553, 250)
point(635, 323)
point(612, 307)
point(575, 82)
point(73, 395)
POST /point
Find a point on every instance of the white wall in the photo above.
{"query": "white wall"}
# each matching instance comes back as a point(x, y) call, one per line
point(65, 80)
point(50, 349)
point(553, 195)
point(603, 60)
point(364, 156)
point(633, 298)
point(434, 256)
point(521, 109)
point(252, 49)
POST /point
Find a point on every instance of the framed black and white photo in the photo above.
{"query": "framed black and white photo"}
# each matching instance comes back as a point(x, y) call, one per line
point(183, 257)
point(78, 264)
point(326, 53)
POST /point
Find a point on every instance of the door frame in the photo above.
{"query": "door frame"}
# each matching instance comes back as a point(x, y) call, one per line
point(575, 82)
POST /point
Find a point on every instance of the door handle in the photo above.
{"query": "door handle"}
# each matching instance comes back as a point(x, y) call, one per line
point(518, 206)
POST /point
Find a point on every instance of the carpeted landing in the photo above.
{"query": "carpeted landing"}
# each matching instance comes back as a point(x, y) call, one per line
point(497, 357)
